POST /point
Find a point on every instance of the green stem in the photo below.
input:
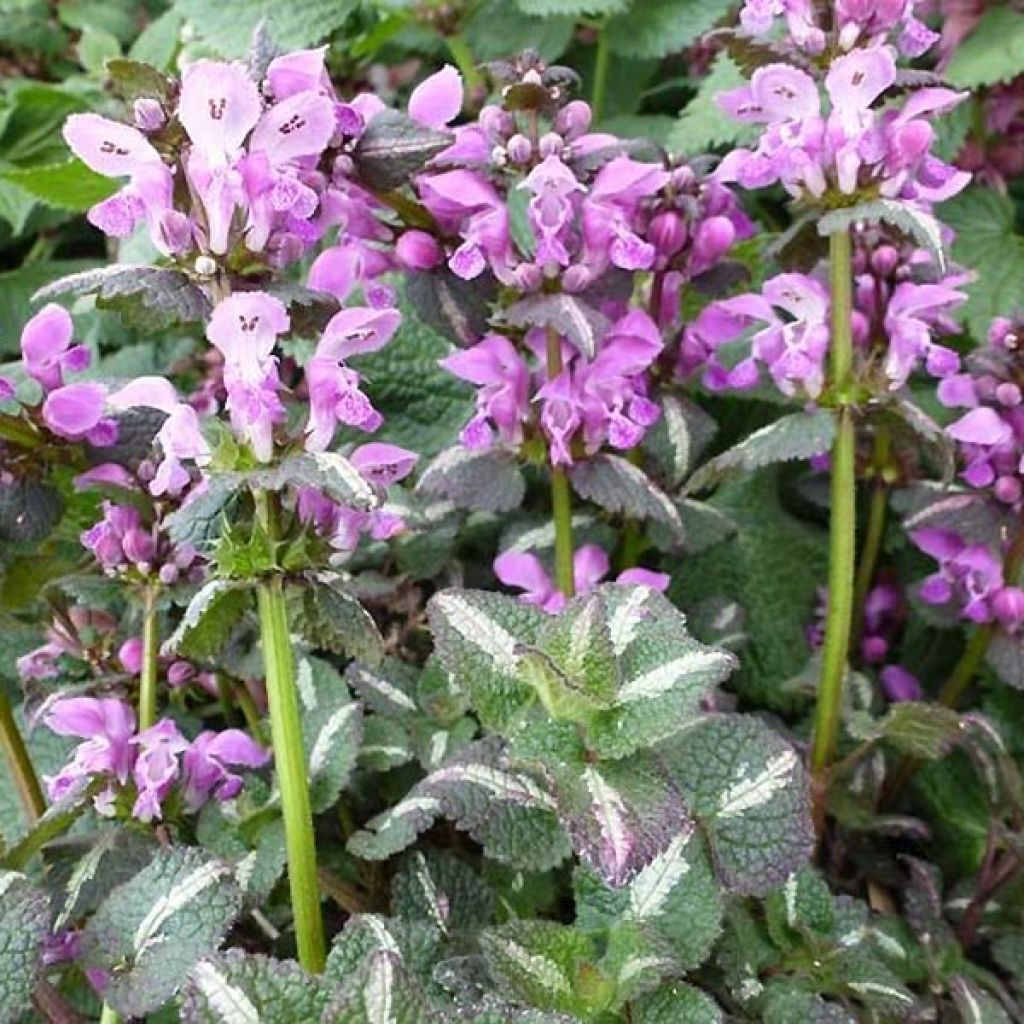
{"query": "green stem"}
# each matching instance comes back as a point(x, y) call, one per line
point(20, 764)
point(109, 1016)
point(466, 62)
point(602, 59)
point(150, 651)
point(561, 496)
point(875, 530)
point(843, 519)
point(251, 713)
point(290, 764)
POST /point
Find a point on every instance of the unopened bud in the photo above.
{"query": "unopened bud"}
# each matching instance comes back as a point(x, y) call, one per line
point(519, 149)
point(668, 233)
point(573, 119)
point(149, 115)
point(884, 260)
point(551, 145)
point(417, 250)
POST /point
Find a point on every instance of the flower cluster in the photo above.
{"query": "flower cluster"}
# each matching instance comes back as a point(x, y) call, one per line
point(896, 317)
point(524, 571)
point(145, 767)
point(264, 166)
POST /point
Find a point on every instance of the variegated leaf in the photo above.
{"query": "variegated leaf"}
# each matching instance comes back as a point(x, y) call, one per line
point(24, 924)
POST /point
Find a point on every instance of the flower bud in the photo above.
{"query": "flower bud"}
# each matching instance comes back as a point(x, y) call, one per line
point(496, 124)
point(899, 684)
point(138, 546)
point(417, 250)
point(573, 119)
point(349, 121)
point(576, 278)
point(168, 574)
point(519, 149)
point(130, 655)
point(176, 230)
point(1007, 489)
point(668, 233)
point(1008, 607)
point(1008, 393)
point(179, 673)
point(874, 649)
point(884, 260)
point(149, 115)
point(551, 144)
point(713, 237)
point(205, 266)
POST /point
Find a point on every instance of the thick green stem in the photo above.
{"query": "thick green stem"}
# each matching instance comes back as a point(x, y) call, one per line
point(466, 62)
point(602, 60)
point(20, 764)
point(150, 652)
point(561, 496)
point(109, 1016)
point(290, 765)
point(843, 519)
point(875, 529)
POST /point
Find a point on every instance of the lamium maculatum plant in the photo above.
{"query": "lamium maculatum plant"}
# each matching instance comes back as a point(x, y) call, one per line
point(470, 555)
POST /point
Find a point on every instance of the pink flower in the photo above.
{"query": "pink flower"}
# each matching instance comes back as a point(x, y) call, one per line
point(46, 349)
point(383, 464)
point(106, 725)
point(437, 100)
point(899, 684)
point(244, 327)
point(156, 767)
point(207, 760)
point(334, 392)
point(502, 401)
point(218, 107)
point(75, 412)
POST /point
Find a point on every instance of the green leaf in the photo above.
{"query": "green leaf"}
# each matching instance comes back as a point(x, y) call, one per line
point(916, 224)
point(577, 321)
point(229, 28)
point(29, 510)
point(676, 1003)
point(975, 1005)
point(151, 931)
point(784, 1003)
point(497, 28)
point(147, 297)
point(158, 42)
point(384, 990)
point(424, 407)
point(237, 986)
point(801, 910)
point(678, 439)
point(661, 27)
point(333, 619)
point(993, 52)
point(67, 186)
point(921, 729)
point(799, 435)
point(257, 855)
point(198, 522)
point(773, 568)
point(486, 479)
point(393, 148)
point(443, 892)
point(621, 488)
point(95, 47)
point(703, 124)
point(17, 287)
point(675, 896)
point(24, 924)
point(210, 617)
point(573, 8)
point(985, 241)
point(478, 638)
point(134, 79)
point(332, 729)
point(749, 792)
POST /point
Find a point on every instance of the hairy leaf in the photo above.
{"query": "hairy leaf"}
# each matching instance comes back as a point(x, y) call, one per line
point(210, 617)
point(29, 510)
point(993, 52)
point(660, 27)
point(581, 324)
point(917, 225)
point(485, 479)
point(152, 930)
point(66, 186)
point(702, 124)
point(393, 148)
point(796, 436)
point(334, 620)
point(24, 924)
point(677, 1003)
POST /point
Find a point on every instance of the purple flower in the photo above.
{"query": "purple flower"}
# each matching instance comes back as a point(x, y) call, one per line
point(911, 315)
point(179, 437)
point(551, 211)
point(899, 684)
point(107, 726)
point(437, 100)
point(218, 107)
point(116, 534)
point(525, 572)
point(502, 401)
point(156, 767)
point(46, 349)
point(561, 416)
point(40, 663)
point(383, 464)
point(244, 327)
point(206, 763)
point(335, 395)
point(299, 71)
point(75, 412)
point(969, 574)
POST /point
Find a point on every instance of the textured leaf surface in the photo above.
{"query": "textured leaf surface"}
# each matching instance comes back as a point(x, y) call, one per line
point(677, 440)
point(67, 186)
point(393, 148)
point(485, 479)
point(917, 225)
point(621, 488)
point(211, 615)
point(677, 1003)
point(571, 317)
point(993, 52)
point(659, 27)
point(154, 928)
point(236, 987)
point(148, 297)
point(797, 436)
point(24, 923)
point(442, 891)
point(479, 638)
point(29, 510)
point(702, 125)
point(986, 241)
point(749, 792)
point(332, 728)
point(333, 619)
